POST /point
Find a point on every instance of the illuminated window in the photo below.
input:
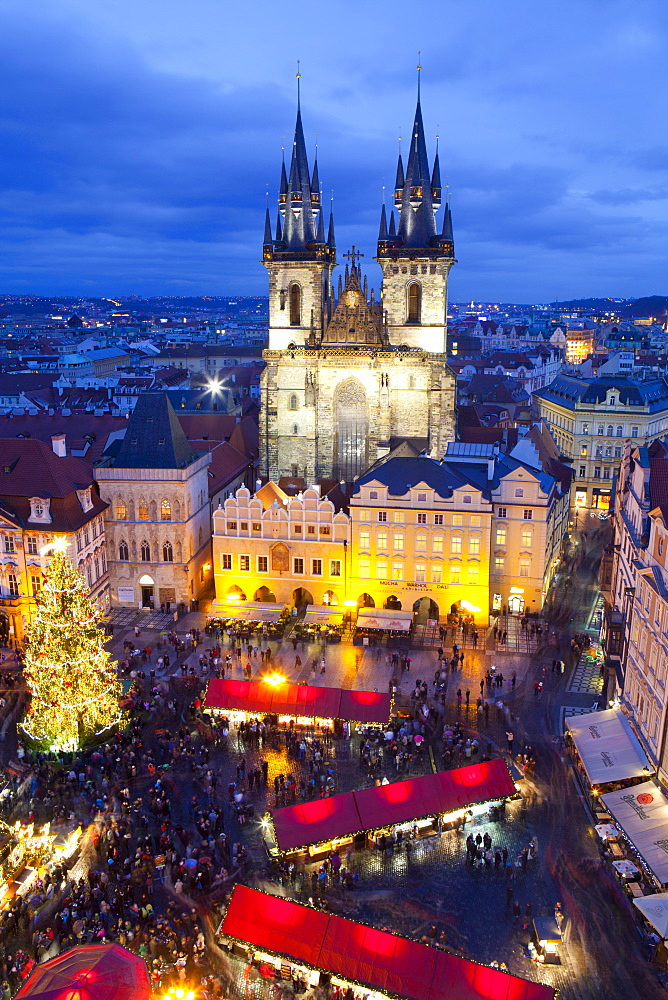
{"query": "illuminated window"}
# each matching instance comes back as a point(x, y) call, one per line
point(398, 569)
point(420, 572)
point(473, 571)
point(476, 520)
point(398, 541)
point(420, 543)
point(437, 543)
point(501, 535)
point(165, 510)
point(399, 517)
point(525, 566)
point(335, 567)
point(499, 562)
point(35, 585)
point(381, 539)
point(365, 538)
point(457, 520)
point(456, 544)
point(257, 526)
point(121, 511)
point(436, 573)
point(455, 572)
point(381, 569)
point(474, 545)
point(527, 537)
point(363, 568)
point(364, 514)
point(143, 510)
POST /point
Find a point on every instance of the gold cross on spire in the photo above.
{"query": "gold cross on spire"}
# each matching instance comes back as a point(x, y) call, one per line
point(353, 254)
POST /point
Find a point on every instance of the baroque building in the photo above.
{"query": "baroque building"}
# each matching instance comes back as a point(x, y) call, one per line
point(347, 376)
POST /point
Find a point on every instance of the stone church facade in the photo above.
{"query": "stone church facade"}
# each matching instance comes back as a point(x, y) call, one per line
point(348, 378)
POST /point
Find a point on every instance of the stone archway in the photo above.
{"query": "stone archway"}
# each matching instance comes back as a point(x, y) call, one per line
point(425, 609)
point(392, 603)
point(351, 429)
point(329, 598)
point(365, 601)
point(264, 595)
point(302, 597)
point(235, 593)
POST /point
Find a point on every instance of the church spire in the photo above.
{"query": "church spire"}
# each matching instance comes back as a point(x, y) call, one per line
point(382, 232)
point(331, 242)
point(267, 229)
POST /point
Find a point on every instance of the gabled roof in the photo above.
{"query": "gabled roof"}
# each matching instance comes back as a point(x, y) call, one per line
point(154, 438)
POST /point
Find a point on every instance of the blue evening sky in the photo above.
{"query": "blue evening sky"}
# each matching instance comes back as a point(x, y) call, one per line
point(138, 137)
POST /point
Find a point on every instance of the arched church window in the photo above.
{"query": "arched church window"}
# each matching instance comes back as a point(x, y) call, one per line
point(123, 551)
point(167, 552)
point(143, 510)
point(294, 402)
point(165, 510)
point(145, 552)
point(414, 302)
point(295, 305)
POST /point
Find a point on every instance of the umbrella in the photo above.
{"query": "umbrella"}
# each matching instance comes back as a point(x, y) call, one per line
point(191, 863)
point(90, 972)
point(625, 867)
point(607, 831)
point(418, 739)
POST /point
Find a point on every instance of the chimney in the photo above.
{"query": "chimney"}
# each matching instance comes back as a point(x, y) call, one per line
point(58, 445)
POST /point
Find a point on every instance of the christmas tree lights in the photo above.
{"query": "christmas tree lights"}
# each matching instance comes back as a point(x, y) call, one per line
point(73, 683)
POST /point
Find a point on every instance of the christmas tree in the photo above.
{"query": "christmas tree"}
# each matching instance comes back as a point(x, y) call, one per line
point(75, 691)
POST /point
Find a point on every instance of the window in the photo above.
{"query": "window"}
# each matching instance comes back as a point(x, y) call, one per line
point(525, 566)
point(295, 305)
point(414, 302)
point(585, 428)
point(519, 493)
point(9, 543)
point(364, 515)
point(420, 572)
point(12, 583)
point(609, 430)
point(474, 545)
point(373, 495)
point(528, 515)
point(363, 568)
point(634, 432)
point(606, 473)
point(476, 521)
point(583, 451)
point(35, 585)
point(467, 498)
point(262, 564)
point(382, 515)
point(527, 537)
point(619, 430)
point(381, 539)
point(123, 551)
point(399, 517)
point(420, 543)
point(455, 572)
point(167, 552)
point(456, 544)
point(381, 569)
point(618, 452)
point(86, 537)
point(398, 541)
point(501, 512)
point(94, 528)
point(365, 538)
point(335, 567)
point(226, 560)
point(297, 529)
point(294, 402)
point(436, 573)
point(310, 529)
point(324, 529)
point(231, 525)
point(143, 510)
point(256, 526)
point(316, 567)
point(298, 566)
point(601, 430)
point(422, 519)
point(165, 510)
point(422, 498)
point(501, 535)
point(457, 520)
point(582, 471)
point(397, 569)
point(499, 562)
point(437, 543)
point(79, 542)
point(472, 572)
point(597, 472)
point(438, 519)
point(145, 552)
point(121, 511)
point(32, 546)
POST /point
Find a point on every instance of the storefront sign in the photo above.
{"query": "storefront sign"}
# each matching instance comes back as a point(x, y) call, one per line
point(400, 585)
point(126, 595)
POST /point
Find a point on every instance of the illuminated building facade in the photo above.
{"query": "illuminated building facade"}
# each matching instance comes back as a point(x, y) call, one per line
point(591, 419)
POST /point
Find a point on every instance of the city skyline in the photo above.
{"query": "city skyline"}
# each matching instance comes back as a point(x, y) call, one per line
point(138, 143)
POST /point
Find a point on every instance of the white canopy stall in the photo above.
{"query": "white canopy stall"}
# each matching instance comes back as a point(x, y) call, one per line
point(642, 813)
point(246, 611)
point(608, 747)
point(395, 621)
point(655, 910)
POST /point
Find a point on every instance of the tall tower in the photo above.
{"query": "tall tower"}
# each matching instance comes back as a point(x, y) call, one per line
point(414, 257)
point(299, 257)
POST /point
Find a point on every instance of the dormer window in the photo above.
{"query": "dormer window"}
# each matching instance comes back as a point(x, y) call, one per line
point(84, 497)
point(39, 510)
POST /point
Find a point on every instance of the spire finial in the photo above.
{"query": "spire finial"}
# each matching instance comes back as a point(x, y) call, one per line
point(437, 136)
point(383, 191)
point(299, 76)
point(419, 70)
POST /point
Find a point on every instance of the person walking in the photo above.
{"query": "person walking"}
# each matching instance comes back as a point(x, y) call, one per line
point(468, 697)
point(510, 736)
point(459, 696)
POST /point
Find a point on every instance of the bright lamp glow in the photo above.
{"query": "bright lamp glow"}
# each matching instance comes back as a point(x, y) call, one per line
point(274, 679)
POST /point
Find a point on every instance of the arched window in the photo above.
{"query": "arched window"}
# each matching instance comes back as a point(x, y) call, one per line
point(609, 430)
point(143, 510)
point(123, 551)
point(294, 402)
point(295, 305)
point(145, 552)
point(165, 511)
point(414, 302)
point(167, 552)
point(121, 511)
point(619, 430)
point(295, 429)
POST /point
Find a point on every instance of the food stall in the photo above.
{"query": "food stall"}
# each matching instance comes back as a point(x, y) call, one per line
point(322, 622)
point(287, 940)
point(89, 972)
point(606, 753)
point(547, 935)
point(372, 623)
point(248, 617)
point(26, 852)
point(641, 812)
point(296, 705)
point(314, 829)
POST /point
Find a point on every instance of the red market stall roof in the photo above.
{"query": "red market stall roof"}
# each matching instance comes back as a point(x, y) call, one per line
point(376, 959)
point(90, 972)
point(384, 805)
point(261, 698)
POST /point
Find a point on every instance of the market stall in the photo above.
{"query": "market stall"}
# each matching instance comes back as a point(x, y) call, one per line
point(319, 947)
point(316, 828)
point(606, 751)
point(26, 852)
point(642, 814)
point(655, 911)
point(373, 622)
point(299, 704)
point(89, 972)
point(547, 934)
point(322, 621)
point(249, 615)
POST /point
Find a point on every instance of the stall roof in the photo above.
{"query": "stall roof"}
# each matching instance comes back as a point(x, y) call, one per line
point(247, 611)
point(608, 747)
point(642, 813)
point(385, 805)
point(377, 959)
point(395, 621)
point(322, 615)
point(298, 700)
point(655, 909)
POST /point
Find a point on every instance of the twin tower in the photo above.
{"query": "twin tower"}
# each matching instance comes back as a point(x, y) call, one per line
point(349, 378)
